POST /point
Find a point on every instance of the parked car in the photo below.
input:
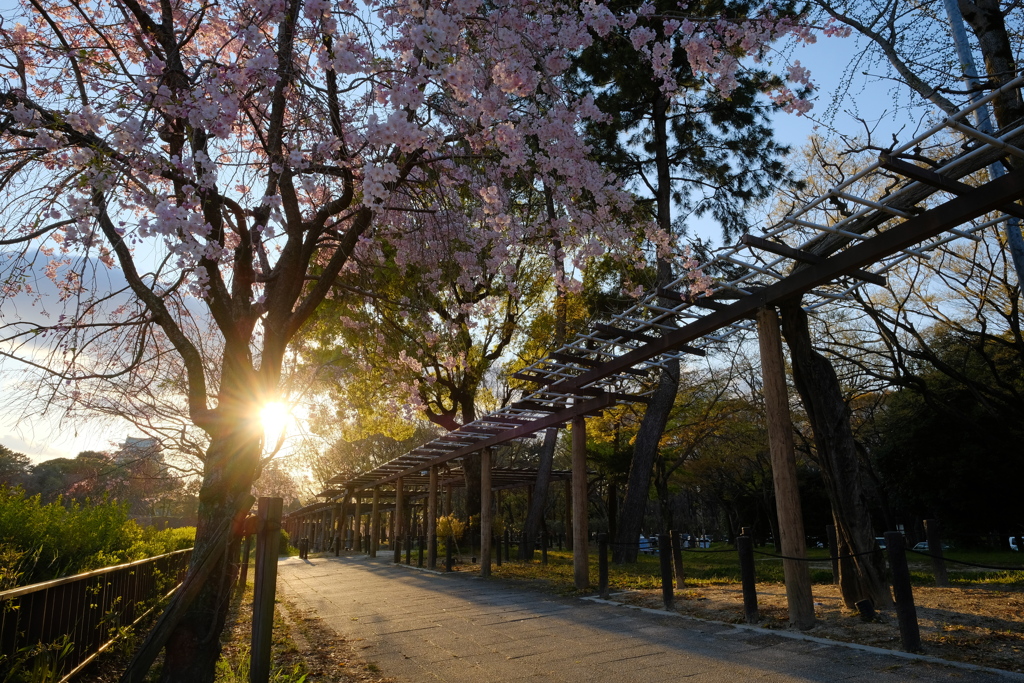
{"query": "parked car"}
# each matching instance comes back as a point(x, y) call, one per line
point(648, 546)
point(923, 546)
point(1015, 543)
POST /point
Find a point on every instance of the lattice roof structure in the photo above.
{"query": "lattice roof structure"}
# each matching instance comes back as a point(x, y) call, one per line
point(822, 250)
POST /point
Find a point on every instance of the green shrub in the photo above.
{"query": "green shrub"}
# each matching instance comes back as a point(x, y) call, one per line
point(42, 542)
point(285, 547)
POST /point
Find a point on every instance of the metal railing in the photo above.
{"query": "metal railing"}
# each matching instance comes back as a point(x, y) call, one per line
point(73, 619)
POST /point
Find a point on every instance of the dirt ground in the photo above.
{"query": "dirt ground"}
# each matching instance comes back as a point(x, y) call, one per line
point(326, 655)
point(983, 626)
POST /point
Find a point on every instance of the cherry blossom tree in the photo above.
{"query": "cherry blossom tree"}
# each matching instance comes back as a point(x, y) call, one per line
point(228, 160)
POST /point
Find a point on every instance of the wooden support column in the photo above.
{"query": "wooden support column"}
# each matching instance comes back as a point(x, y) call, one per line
point(568, 515)
point(343, 514)
point(357, 520)
point(375, 522)
point(485, 512)
point(431, 520)
point(322, 535)
point(580, 531)
point(399, 520)
point(787, 493)
point(448, 500)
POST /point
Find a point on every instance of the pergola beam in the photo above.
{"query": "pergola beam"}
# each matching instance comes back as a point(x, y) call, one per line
point(959, 210)
point(580, 409)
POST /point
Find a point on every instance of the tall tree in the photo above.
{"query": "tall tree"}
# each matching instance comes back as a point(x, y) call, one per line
point(228, 159)
point(904, 37)
point(14, 467)
point(693, 148)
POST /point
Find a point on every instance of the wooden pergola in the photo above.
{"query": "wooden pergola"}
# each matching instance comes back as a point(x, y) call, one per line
point(823, 250)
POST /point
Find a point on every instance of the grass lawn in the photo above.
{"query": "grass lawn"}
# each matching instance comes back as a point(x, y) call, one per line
point(719, 565)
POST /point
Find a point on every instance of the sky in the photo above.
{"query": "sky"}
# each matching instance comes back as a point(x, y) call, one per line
point(871, 99)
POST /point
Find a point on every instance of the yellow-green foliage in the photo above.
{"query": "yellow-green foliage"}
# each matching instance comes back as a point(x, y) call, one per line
point(42, 542)
point(450, 525)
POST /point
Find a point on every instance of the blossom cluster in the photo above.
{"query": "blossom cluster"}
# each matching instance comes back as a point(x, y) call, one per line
point(269, 143)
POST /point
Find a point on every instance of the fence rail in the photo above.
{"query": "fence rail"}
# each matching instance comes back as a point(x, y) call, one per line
point(85, 611)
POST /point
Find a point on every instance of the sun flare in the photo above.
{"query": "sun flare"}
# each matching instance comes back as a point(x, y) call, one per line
point(275, 417)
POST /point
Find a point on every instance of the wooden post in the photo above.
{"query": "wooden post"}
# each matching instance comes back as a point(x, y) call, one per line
point(580, 559)
point(448, 499)
point(833, 551)
point(342, 517)
point(432, 520)
point(320, 521)
point(268, 543)
point(410, 524)
point(906, 612)
point(665, 555)
point(375, 522)
point(677, 559)
point(567, 522)
point(602, 565)
point(485, 511)
point(931, 532)
point(787, 492)
point(399, 520)
point(745, 546)
point(243, 575)
point(357, 539)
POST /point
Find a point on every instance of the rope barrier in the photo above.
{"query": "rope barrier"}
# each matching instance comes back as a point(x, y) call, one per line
point(969, 564)
point(816, 559)
point(685, 550)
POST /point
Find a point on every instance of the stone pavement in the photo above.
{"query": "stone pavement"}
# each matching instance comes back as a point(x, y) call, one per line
point(422, 626)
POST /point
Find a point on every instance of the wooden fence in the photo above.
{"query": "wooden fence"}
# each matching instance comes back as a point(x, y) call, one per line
point(71, 620)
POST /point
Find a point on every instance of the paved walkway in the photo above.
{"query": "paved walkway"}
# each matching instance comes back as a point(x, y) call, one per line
point(421, 626)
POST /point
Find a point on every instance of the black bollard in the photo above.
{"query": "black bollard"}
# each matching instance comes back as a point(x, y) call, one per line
point(497, 546)
point(906, 612)
point(420, 542)
point(745, 546)
point(665, 555)
point(602, 564)
point(448, 562)
point(544, 547)
point(931, 532)
point(677, 559)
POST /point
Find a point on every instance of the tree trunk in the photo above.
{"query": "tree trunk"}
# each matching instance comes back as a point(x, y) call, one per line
point(535, 515)
point(539, 502)
point(988, 23)
point(471, 463)
point(864, 576)
point(645, 450)
point(231, 463)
